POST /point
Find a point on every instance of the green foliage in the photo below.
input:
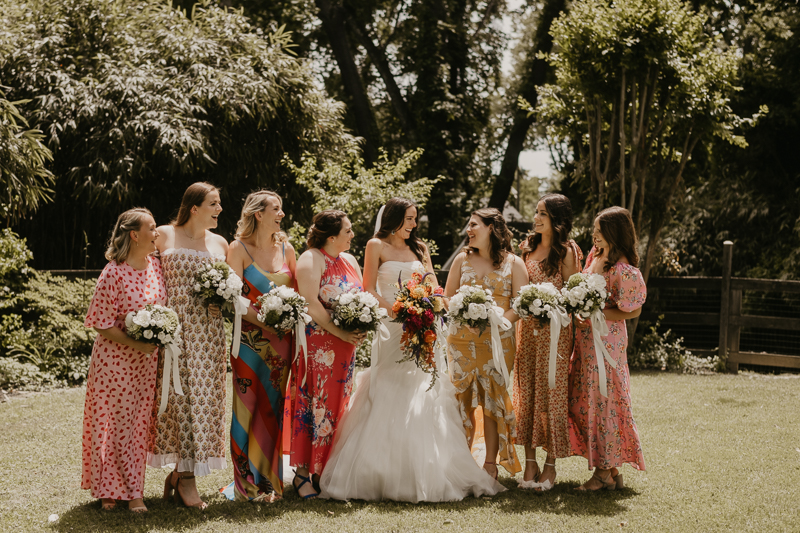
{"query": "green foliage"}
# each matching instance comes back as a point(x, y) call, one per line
point(654, 350)
point(14, 258)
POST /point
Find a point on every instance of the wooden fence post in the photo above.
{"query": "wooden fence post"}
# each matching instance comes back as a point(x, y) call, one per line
point(724, 306)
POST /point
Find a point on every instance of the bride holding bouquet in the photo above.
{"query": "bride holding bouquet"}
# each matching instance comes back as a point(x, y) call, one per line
point(402, 438)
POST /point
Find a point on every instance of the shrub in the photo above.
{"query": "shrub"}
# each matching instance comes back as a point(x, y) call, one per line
point(654, 350)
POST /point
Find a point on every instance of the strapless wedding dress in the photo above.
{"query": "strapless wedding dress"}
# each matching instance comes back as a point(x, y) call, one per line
point(398, 440)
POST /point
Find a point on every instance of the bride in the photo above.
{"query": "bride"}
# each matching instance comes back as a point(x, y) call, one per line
point(398, 440)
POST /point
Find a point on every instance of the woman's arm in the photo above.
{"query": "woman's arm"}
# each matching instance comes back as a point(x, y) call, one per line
point(616, 314)
point(519, 277)
point(454, 277)
point(114, 334)
point(570, 265)
point(372, 261)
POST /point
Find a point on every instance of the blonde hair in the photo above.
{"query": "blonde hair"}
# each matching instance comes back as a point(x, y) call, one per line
point(255, 203)
point(119, 245)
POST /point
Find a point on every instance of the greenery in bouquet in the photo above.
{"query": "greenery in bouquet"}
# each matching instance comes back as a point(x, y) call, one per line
point(356, 310)
point(417, 306)
point(584, 294)
point(281, 308)
point(537, 300)
point(470, 307)
point(155, 323)
point(216, 283)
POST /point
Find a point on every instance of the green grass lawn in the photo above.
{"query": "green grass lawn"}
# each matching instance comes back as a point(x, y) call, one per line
point(722, 454)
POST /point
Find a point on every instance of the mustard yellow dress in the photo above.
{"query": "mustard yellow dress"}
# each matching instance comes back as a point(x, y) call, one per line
point(478, 383)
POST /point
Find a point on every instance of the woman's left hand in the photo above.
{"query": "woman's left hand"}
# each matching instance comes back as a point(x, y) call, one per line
point(214, 310)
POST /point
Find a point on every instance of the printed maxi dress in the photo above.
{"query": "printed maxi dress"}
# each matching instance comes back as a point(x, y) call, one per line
point(603, 429)
point(542, 412)
point(318, 405)
point(191, 433)
point(120, 385)
point(260, 374)
point(478, 383)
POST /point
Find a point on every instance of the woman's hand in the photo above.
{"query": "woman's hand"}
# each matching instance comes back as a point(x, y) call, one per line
point(214, 310)
point(474, 331)
point(353, 337)
point(146, 348)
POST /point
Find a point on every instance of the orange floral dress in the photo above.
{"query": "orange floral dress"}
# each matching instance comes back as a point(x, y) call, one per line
point(542, 412)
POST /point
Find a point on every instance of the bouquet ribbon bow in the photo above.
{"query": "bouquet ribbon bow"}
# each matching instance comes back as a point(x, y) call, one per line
point(240, 307)
point(382, 335)
point(497, 322)
point(559, 318)
point(171, 353)
point(599, 330)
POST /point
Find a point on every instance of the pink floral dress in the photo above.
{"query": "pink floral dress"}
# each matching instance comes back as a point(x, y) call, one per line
point(120, 385)
point(317, 406)
point(603, 429)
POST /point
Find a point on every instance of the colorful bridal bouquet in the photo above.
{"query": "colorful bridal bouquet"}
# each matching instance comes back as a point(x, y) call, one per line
point(216, 283)
point(418, 304)
point(282, 309)
point(537, 300)
point(585, 294)
point(155, 323)
point(471, 306)
point(356, 310)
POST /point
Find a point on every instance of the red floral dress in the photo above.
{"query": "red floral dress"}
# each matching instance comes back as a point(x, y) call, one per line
point(317, 406)
point(603, 429)
point(120, 386)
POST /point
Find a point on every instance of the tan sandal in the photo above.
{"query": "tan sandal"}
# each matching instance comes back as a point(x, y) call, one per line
point(107, 504)
point(607, 483)
point(179, 497)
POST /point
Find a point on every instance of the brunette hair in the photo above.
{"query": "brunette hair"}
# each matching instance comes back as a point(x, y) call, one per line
point(500, 236)
point(119, 245)
point(393, 218)
point(559, 209)
point(255, 203)
point(194, 196)
point(618, 230)
point(325, 224)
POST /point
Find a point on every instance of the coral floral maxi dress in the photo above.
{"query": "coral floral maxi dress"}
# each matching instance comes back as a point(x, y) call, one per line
point(603, 429)
point(317, 406)
point(120, 385)
point(541, 412)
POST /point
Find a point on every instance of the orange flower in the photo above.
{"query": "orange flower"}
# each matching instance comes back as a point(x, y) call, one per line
point(430, 336)
point(438, 290)
point(397, 307)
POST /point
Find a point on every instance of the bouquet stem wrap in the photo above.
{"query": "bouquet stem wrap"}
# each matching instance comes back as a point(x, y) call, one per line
point(382, 335)
point(559, 318)
point(171, 353)
point(240, 306)
point(599, 330)
point(497, 322)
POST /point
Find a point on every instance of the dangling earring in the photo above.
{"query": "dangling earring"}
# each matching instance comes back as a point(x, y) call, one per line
point(392, 232)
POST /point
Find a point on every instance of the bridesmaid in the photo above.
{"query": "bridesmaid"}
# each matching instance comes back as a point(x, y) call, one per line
point(122, 376)
point(262, 256)
point(488, 262)
point(321, 391)
point(191, 433)
point(602, 429)
point(541, 412)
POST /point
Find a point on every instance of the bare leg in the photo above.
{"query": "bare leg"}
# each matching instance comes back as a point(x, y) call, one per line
point(531, 466)
point(601, 479)
point(549, 471)
point(492, 443)
point(305, 489)
point(186, 488)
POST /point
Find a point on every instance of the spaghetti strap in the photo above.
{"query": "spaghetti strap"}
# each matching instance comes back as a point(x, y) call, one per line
point(246, 250)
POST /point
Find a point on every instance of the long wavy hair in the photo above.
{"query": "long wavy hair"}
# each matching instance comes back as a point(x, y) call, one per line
point(618, 230)
point(500, 236)
point(255, 203)
point(559, 209)
point(325, 224)
point(393, 218)
point(119, 245)
point(194, 196)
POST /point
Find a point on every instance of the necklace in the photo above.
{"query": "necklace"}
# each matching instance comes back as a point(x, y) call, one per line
point(192, 238)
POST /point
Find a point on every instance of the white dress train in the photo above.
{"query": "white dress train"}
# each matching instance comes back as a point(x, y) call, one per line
point(399, 441)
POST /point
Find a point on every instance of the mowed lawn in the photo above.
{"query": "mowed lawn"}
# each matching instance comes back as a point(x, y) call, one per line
point(722, 453)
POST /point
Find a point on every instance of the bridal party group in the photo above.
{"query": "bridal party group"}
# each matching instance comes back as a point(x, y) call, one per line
point(548, 373)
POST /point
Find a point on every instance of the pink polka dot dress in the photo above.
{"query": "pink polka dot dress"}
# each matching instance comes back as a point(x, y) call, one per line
point(120, 386)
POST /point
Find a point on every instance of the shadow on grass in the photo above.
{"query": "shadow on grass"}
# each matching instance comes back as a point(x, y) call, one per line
point(562, 500)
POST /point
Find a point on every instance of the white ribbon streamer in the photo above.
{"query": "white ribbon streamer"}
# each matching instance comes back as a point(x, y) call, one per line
point(171, 353)
point(559, 318)
point(379, 219)
point(497, 322)
point(300, 342)
point(599, 330)
point(381, 335)
point(240, 307)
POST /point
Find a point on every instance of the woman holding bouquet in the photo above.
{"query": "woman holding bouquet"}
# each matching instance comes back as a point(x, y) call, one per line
point(322, 380)
point(602, 429)
point(262, 256)
point(541, 412)
point(399, 440)
point(486, 411)
point(191, 433)
point(122, 375)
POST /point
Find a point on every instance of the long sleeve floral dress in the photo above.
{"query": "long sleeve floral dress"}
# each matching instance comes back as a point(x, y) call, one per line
point(603, 429)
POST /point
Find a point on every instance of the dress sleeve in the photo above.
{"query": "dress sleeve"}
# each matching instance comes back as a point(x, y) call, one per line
point(578, 254)
point(104, 309)
point(589, 258)
point(627, 287)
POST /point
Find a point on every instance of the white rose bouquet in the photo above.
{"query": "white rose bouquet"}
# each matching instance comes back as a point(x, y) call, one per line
point(282, 309)
point(357, 310)
point(584, 294)
point(216, 283)
point(155, 323)
point(537, 300)
point(470, 306)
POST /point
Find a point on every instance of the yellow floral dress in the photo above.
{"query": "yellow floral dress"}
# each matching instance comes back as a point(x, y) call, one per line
point(478, 383)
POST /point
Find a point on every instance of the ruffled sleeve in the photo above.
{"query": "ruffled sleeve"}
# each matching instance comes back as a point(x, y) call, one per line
point(626, 287)
point(104, 309)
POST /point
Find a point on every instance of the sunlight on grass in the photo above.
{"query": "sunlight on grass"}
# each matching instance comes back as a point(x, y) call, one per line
point(722, 453)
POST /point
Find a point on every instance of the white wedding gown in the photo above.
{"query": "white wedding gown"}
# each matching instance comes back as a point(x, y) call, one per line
point(399, 441)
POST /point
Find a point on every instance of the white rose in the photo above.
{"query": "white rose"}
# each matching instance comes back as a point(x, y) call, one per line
point(147, 334)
